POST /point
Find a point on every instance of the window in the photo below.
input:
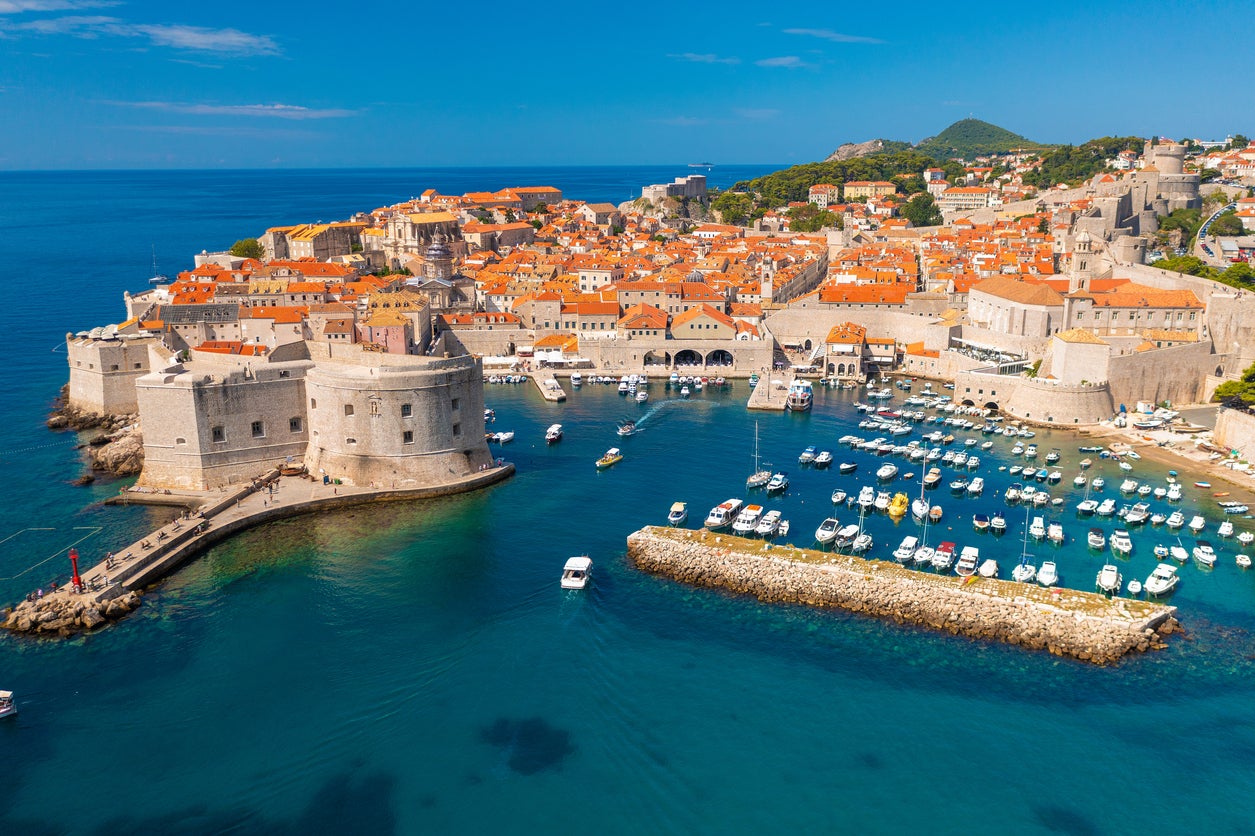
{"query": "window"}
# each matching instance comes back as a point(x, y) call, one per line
point(1080, 315)
point(285, 373)
point(259, 429)
point(218, 434)
point(407, 437)
point(457, 402)
point(407, 410)
point(313, 403)
point(137, 365)
point(1191, 316)
point(350, 441)
point(294, 425)
point(114, 367)
point(348, 410)
point(180, 441)
point(457, 429)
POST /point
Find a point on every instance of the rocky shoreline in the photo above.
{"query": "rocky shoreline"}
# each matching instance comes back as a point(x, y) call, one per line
point(117, 450)
point(66, 616)
point(1081, 625)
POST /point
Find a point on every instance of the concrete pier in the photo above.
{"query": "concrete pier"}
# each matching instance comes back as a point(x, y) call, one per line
point(550, 388)
point(767, 395)
point(110, 591)
point(1065, 622)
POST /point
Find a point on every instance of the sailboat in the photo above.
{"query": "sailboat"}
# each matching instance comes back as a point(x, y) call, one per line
point(759, 478)
point(925, 553)
point(1025, 571)
point(863, 541)
point(157, 278)
point(920, 507)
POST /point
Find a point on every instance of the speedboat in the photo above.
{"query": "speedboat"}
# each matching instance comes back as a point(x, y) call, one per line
point(998, 524)
point(1128, 486)
point(679, 513)
point(988, 568)
point(554, 434)
point(846, 535)
point(1109, 579)
point(1037, 530)
point(1175, 520)
point(723, 514)
point(576, 572)
point(1107, 507)
point(943, 557)
point(1161, 551)
point(887, 472)
point(881, 502)
point(867, 497)
point(1048, 574)
point(905, 552)
point(641, 396)
point(627, 428)
point(1121, 543)
point(747, 520)
point(769, 524)
point(959, 485)
point(847, 467)
point(7, 706)
point(1138, 514)
point(611, 457)
point(1080, 481)
point(1204, 553)
point(827, 531)
point(932, 477)
point(968, 558)
point(1178, 553)
point(779, 481)
point(1162, 581)
point(1197, 523)
point(808, 455)
point(1096, 538)
point(838, 496)
point(503, 437)
point(823, 459)
point(1087, 506)
point(1054, 532)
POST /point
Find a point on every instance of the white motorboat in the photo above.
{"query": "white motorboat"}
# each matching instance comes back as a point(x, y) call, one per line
point(998, 524)
point(988, 568)
point(1174, 492)
point(932, 478)
point(1161, 551)
point(747, 520)
point(778, 483)
point(1138, 514)
point(846, 535)
point(887, 472)
point(641, 396)
point(1109, 579)
point(1087, 506)
point(827, 531)
point(1048, 574)
point(924, 555)
point(823, 458)
point(1121, 543)
point(769, 524)
point(1135, 587)
point(1128, 486)
point(8, 707)
point(905, 552)
point(627, 428)
point(1080, 481)
point(685, 391)
point(943, 556)
point(1204, 553)
point(1125, 466)
point(1197, 523)
point(1037, 530)
point(1243, 561)
point(847, 467)
point(1096, 538)
point(1178, 553)
point(576, 572)
point(1162, 581)
point(1175, 520)
point(1225, 529)
point(1246, 538)
point(839, 496)
point(1054, 532)
point(1098, 483)
point(808, 455)
point(862, 542)
point(1107, 507)
point(1158, 518)
point(576, 378)
point(723, 514)
point(882, 500)
point(968, 560)
point(679, 513)
point(554, 434)
point(867, 497)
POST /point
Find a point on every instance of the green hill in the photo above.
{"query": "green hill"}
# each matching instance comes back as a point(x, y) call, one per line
point(970, 138)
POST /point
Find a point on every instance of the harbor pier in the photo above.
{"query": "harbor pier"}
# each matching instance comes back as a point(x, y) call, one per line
point(550, 389)
point(110, 588)
point(1065, 622)
point(772, 391)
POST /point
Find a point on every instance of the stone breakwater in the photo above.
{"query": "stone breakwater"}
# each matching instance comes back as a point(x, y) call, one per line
point(62, 615)
point(1064, 622)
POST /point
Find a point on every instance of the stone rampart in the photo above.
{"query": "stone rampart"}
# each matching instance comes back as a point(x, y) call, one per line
point(1082, 625)
point(1174, 374)
point(1236, 430)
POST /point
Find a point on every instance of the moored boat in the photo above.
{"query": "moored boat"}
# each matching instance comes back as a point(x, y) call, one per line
point(576, 572)
point(747, 520)
point(827, 531)
point(554, 434)
point(1109, 579)
point(778, 483)
point(723, 514)
point(679, 513)
point(1162, 581)
point(968, 559)
point(1048, 574)
point(800, 396)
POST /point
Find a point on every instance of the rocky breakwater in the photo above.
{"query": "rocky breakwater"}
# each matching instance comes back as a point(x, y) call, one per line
point(1064, 622)
point(116, 449)
point(62, 614)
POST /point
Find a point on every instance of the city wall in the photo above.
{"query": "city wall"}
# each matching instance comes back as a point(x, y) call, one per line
point(1038, 400)
point(1236, 430)
point(1231, 323)
point(103, 372)
point(1173, 374)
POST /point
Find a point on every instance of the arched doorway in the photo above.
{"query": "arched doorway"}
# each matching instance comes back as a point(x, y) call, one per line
point(969, 402)
point(688, 357)
point(840, 369)
point(808, 345)
point(719, 357)
point(652, 359)
point(991, 405)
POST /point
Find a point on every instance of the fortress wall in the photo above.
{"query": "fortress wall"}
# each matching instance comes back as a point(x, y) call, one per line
point(103, 373)
point(1231, 323)
point(1036, 399)
point(1173, 374)
point(1236, 430)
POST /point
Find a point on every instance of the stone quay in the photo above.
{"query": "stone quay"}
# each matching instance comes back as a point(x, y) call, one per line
point(1064, 622)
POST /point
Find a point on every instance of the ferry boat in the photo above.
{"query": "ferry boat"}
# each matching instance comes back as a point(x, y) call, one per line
point(723, 514)
point(800, 397)
point(611, 457)
point(1162, 581)
point(679, 513)
point(554, 434)
point(7, 706)
point(747, 520)
point(576, 572)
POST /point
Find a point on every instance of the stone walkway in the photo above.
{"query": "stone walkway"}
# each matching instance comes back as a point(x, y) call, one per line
point(772, 391)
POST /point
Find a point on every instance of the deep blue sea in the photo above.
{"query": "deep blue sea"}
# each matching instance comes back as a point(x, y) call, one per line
point(416, 669)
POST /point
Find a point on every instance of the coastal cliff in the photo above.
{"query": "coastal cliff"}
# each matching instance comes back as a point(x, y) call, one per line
point(1082, 625)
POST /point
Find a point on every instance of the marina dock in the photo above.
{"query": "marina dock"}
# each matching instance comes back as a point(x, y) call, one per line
point(1065, 622)
point(550, 388)
point(771, 392)
point(109, 591)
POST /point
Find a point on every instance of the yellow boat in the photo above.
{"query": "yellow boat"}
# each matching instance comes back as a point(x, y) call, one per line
point(898, 505)
point(612, 457)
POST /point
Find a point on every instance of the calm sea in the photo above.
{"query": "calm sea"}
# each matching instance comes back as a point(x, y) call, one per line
point(416, 669)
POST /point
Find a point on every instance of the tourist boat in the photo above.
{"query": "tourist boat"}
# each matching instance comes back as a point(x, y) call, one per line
point(998, 524)
point(827, 531)
point(554, 434)
point(1197, 523)
point(1109, 579)
point(758, 478)
point(1096, 538)
point(823, 458)
point(988, 568)
point(980, 522)
point(1038, 528)
point(612, 457)
point(847, 467)
point(866, 497)
point(905, 552)
point(576, 572)
point(679, 513)
point(1106, 508)
point(1175, 520)
point(898, 505)
point(800, 396)
point(839, 496)
point(1204, 553)
point(968, 559)
point(747, 520)
point(943, 557)
point(808, 455)
point(1162, 581)
point(627, 428)
point(887, 472)
point(779, 482)
point(1225, 529)
point(1054, 532)
point(723, 514)
point(846, 535)
point(1243, 561)
point(1121, 543)
point(769, 524)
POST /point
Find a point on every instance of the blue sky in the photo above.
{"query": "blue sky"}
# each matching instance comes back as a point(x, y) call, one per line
point(115, 84)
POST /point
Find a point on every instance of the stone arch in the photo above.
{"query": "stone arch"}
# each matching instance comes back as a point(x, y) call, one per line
point(688, 357)
point(968, 402)
point(652, 359)
point(840, 369)
point(991, 405)
point(719, 357)
point(1219, 371)
point(808, 345)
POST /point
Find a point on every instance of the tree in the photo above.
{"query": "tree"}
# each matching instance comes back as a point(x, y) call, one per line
point(1043, 226)
point(1207, 175)
point(1226, 224)
point(921, 210)
point(247, 248)
point(810, 218)
point(1238, 142)
point(733, 207)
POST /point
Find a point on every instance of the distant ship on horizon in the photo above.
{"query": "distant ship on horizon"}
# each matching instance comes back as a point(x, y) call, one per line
point(701, 165)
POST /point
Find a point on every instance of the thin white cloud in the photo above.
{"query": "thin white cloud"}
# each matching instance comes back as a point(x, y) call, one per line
point(756, 112)
point(274, 111)
point(835, 37)
point(704, 58)
point(791, 62)
point(176, 36)
point(682, 121)
point(14, 7)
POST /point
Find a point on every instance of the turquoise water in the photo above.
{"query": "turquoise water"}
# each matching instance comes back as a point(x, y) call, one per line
point(415, 668)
